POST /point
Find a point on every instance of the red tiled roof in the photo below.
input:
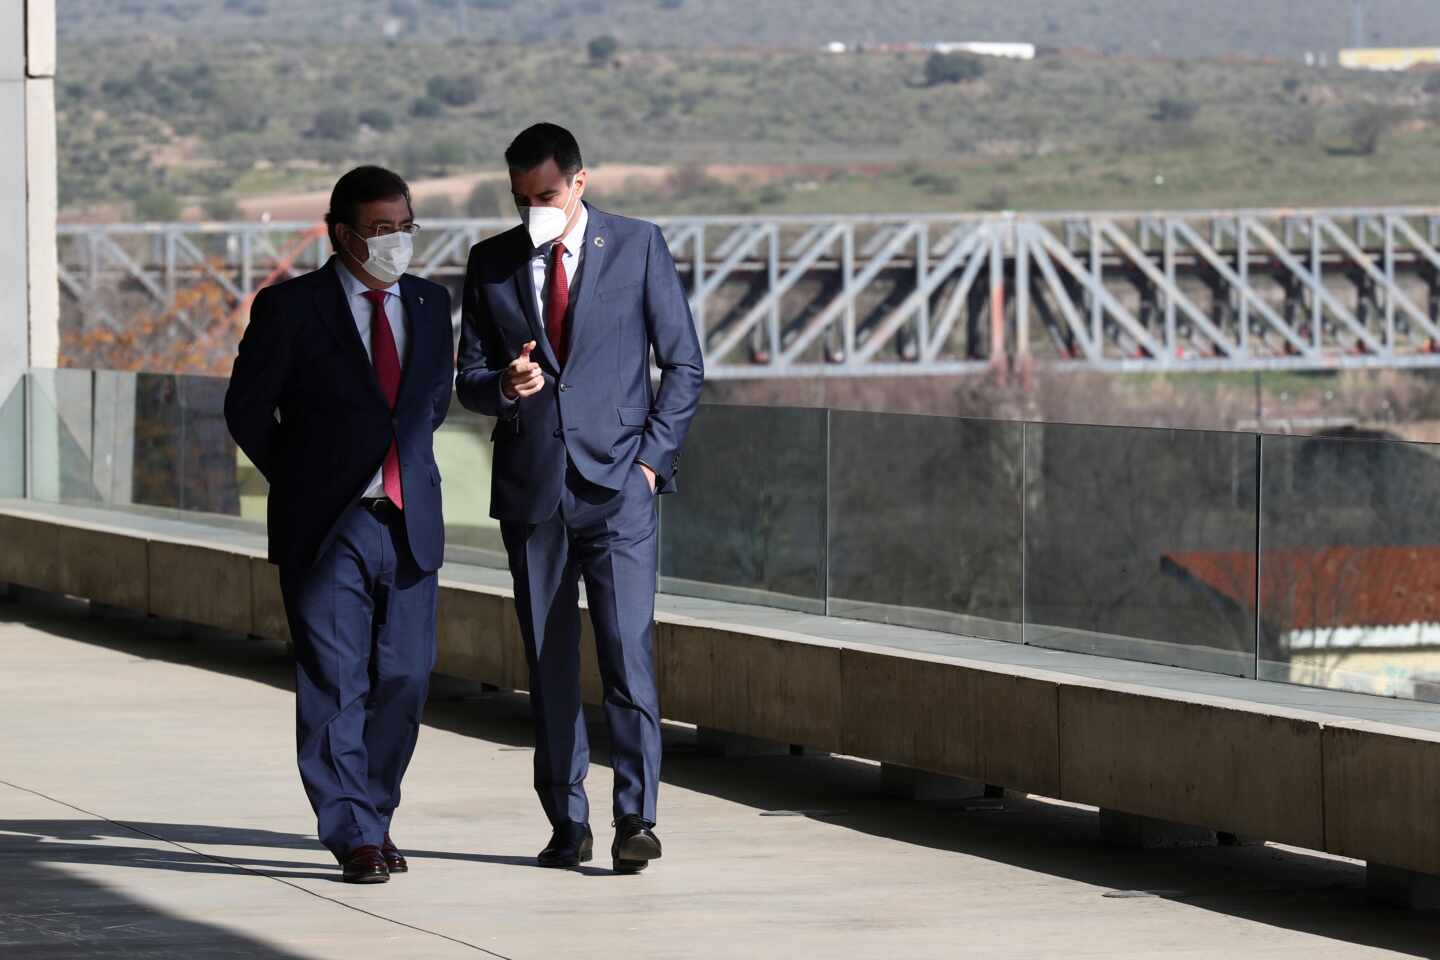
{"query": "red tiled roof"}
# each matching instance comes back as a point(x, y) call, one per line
point(1312, 587)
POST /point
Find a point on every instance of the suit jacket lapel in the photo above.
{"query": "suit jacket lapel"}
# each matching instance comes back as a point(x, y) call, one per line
point(525, 293)
point(592, 261)
point(334, 307)
point(418, 331)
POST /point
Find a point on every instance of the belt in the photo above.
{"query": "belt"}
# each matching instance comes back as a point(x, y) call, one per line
point(380, 507)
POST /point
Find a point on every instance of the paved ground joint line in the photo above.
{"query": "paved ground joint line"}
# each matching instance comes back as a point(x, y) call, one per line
point(257, 873)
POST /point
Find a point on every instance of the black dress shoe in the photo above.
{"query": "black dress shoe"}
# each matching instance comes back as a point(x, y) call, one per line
point(570, 845)
point(635, 844)
point(365, 865)
point(394, 859)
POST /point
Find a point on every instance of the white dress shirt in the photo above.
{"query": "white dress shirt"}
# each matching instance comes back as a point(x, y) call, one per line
point(362, 311)
point(539, 264)
point(540, 260)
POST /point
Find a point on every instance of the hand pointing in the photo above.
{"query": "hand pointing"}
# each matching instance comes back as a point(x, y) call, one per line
point(523, 378)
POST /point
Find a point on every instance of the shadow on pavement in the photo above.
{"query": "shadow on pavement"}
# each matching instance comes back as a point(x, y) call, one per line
point(40, 842)
point(1277, 886)
point(48, 912)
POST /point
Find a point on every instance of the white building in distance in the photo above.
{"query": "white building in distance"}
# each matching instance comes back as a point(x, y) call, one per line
point(1010, 51)
point(1394, 58)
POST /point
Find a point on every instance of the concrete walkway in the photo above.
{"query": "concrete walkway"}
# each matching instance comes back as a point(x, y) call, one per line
point(149, 807)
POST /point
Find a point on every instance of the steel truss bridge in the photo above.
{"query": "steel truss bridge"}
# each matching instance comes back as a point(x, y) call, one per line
point(926, 295)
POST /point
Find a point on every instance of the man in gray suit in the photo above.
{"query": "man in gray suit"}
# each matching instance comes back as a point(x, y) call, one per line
point(561, 316)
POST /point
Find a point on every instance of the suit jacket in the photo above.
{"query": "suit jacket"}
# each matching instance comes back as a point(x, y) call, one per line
point(305, 406)
point(600, 411)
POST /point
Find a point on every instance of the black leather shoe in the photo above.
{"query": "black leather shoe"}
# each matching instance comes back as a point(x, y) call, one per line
point(635, 844)
point(365, 865)
point(394, 859)
point(570, 845)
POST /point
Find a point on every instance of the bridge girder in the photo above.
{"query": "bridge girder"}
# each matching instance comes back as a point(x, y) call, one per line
point(849, 296)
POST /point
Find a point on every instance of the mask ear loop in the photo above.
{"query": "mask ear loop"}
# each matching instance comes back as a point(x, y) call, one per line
point(573, 196)
point(346, 248)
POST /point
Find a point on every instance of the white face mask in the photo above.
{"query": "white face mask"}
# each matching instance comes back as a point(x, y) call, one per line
point(389, 256)
point(547, 223)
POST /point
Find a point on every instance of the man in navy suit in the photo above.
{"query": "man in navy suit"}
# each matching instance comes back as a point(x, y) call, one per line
point(342, 378)
point(560, 317)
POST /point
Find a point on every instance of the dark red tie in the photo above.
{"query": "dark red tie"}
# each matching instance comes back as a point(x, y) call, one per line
point(557, 300)
point(387, 370)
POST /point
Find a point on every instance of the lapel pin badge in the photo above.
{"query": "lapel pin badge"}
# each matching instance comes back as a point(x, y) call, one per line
point(600, 242)
point(422, 301)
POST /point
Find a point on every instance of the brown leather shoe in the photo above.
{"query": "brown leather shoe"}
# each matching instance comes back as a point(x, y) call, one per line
point(394, 859)
point(365, 865)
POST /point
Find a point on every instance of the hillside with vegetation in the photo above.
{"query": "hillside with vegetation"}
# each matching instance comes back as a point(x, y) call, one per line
point(1274, 28)
point(157, 123)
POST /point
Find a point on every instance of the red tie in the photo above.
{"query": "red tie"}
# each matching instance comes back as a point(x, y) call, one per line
point(557, 301)
point(387, 370)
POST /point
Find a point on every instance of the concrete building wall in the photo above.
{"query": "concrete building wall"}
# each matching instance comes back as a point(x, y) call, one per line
point(14, 208)
point(43, 182)
point(29, 290)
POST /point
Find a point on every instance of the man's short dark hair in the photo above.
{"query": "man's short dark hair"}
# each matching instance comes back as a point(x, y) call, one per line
point(362, 185)
point(545, 141)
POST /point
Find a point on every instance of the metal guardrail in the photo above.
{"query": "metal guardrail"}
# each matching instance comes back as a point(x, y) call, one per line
point(804, 296)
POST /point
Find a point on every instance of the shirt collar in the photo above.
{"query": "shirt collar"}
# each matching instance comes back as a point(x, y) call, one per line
point(353, 286)
point(573, 240)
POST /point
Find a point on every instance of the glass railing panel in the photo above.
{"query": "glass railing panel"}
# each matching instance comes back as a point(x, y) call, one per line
point(748, 521)
point(1140, 544)
point(1350, 566)
point(152, 442)
point(60, 410)
point(207, 461)
point(925, 522)
point(157, 431)
point(12, 439)
point(464, 453)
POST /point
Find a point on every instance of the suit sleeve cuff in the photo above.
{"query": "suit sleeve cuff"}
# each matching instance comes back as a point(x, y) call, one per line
point(507, 406)
point(660, 478)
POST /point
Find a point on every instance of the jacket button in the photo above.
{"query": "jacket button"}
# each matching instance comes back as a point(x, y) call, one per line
point(558, 434)
point(564, 387)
